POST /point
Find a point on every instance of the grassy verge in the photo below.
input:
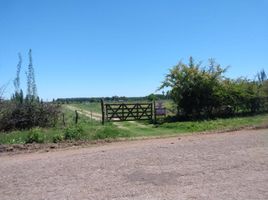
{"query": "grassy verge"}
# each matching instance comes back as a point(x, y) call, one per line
point(140, 129)
point(90, 130)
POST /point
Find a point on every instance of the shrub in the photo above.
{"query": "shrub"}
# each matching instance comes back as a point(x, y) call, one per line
point(57, 138)
point(74, 132)
point(35, 135)
point(203, 92)
point(27, 113)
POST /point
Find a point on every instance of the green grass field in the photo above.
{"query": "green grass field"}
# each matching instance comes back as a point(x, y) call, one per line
point(88, 129)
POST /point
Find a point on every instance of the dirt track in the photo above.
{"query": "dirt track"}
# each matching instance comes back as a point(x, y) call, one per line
point(93, 115)
point(218, 166)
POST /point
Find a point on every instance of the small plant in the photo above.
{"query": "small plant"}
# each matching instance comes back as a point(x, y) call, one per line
point(57, 138)
point(35, 135)
point(107, 132)
point(73, 132)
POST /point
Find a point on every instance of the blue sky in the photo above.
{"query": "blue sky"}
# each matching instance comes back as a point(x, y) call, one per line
point(125, 47)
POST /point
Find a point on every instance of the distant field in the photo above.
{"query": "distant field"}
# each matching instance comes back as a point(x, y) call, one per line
point(93, 107)
point(96, 106)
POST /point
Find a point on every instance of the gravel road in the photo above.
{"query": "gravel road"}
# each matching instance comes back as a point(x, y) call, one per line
point(224, 166)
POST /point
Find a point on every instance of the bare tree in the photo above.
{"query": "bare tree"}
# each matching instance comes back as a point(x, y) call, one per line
point(262, 76)
point(31, 85)
point(16, 81)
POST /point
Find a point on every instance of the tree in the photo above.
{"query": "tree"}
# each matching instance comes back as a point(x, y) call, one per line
point(151, 97)
point(1, 92)
point(261, 76)
point(18, 95)
point(16, 81)
point(31, 85)
point(265, 88)
point(194, 89)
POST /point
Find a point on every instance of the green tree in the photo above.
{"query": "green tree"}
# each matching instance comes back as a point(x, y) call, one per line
point(265, 88)
point(151, 97)
point(193, 88)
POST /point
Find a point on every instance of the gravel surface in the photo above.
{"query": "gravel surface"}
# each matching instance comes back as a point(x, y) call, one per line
point(224, 166)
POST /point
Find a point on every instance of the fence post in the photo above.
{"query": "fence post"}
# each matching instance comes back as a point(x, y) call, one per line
point(154, 112)
point(102, 111)
point(76, 117)
point(63, 119)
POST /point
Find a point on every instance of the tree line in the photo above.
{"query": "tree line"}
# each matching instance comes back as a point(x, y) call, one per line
point(150, 97)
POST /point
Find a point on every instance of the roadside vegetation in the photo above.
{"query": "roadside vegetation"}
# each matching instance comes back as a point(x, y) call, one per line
point(24, 112)
point(203, 92)
point(90, 130)
point(198, 99)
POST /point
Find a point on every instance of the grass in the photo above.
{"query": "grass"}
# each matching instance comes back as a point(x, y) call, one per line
point(143, 129)
point(89, 130)
point(22, 137)
point(94, 107)
point(217, 124)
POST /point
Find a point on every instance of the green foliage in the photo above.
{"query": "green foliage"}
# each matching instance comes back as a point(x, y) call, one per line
point(96, 131)
point(202, 92)
point(216, 124)
point(57, 138)
point(24, 113)
point(243, 95)
point(264, 88)
point(109, 132)
point(20, 113)
point(194, 89)
point(73, 132)
point(93, 107)
point(35, 135)
point(107, 99)
point(152, 97)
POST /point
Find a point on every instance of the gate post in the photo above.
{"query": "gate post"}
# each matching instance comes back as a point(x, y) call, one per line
point(76, 117)
point(102, 112)
point(154, 112)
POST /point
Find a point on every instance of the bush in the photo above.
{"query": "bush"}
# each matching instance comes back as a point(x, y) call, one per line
point(57, 138)
point(19, 114)
point(73, 132)
point(203, 92)
point(35, 135)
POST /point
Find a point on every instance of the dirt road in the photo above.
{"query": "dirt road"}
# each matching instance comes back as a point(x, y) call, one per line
point(93, 115)
point(217, 166)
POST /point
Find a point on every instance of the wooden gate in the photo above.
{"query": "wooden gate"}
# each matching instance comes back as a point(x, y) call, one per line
point(127, 111)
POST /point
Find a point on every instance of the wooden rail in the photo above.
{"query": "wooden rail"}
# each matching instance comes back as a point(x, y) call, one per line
point(127, 111)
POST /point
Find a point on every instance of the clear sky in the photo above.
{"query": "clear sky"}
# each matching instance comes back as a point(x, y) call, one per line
point(125, 47)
